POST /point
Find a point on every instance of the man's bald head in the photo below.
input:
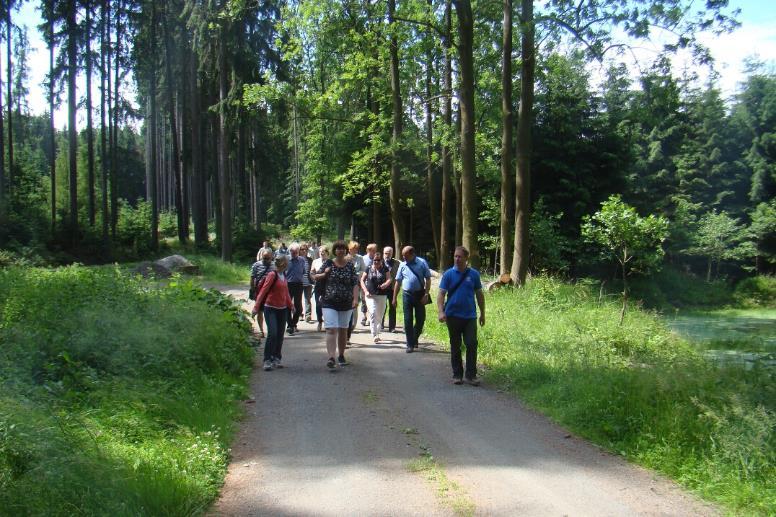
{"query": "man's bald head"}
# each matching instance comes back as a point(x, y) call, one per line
point(408, 252)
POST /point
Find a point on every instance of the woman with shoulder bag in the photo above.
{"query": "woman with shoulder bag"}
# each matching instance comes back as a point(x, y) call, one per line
point(376, 283)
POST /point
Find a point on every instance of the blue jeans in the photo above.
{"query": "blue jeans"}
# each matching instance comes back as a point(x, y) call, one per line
point(276, 325)
point(413, 303)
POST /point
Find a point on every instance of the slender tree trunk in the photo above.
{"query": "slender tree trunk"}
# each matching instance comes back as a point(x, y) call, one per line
point(89, 125)
point(446, 202)
point(175, 158)
point(224, 183)
point(469, 203)
point(182, 113)
point(394, 187)
point(103, 140)
point(505, 219)
point(153, 137)
point(114, 189)
point(72, 106)
point(9, 71)
point(199, 190)
point(524, 145)
point(432, 180)
point(3, 178)
point(52, 131)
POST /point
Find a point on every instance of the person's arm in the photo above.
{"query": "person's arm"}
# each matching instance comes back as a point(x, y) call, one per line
point(362, 281)
point(481, 304)
point(388, 280)
point(441, 305)
point(396, 288)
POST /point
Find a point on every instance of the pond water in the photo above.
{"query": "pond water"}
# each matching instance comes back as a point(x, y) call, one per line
point(746, 337)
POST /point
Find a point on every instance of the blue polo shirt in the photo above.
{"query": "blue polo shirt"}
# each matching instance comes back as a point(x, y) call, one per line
point(409, 272)
point(462, 304)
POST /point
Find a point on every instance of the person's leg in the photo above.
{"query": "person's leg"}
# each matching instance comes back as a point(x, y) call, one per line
point(352, 323)
point(280, 315)
point(308, 300)
point(420, 319)
point(272, 331)
point(342, 336)
point(342, 340)
point(469, 331)
point(454, 331)
point(371, 306)
point(318, 308)
point(377, 311)
point(296, 290)
point(330, 318)
point(409, 329)
point(364, 309)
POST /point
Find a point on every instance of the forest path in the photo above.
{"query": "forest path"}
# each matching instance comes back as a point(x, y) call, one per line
point(317, 442)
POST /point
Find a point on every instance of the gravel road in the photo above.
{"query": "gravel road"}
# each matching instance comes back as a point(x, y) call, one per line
point(390, 435)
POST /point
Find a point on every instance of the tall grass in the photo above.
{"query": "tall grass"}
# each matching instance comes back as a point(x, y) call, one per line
point(115, 397)
point(636, 389)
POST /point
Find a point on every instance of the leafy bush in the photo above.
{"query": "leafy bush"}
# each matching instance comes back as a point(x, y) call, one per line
point(670, 287)
point(758, 291)
point(116, 397)
point(636, 389)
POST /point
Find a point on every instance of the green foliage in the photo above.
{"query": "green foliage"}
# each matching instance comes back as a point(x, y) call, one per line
point(636, 389)
point(757, 291)
point(717, 237)
point(632, 240)
point(549, 247)
point(116, 397)
point(670, 288)
point(133, 230)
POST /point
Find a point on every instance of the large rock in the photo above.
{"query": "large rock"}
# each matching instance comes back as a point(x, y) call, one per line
point(153, 269)
point(179, 264)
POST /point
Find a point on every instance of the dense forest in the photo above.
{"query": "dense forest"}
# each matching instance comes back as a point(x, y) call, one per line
point(498, 126)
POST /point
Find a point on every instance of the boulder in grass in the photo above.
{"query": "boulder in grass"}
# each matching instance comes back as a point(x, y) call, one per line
point(147, 269)
point(178, 264)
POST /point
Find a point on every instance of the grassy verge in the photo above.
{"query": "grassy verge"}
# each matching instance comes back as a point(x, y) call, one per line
point(115, 397)
point(637, 389)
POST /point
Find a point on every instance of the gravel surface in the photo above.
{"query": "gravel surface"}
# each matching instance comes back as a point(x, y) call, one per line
point(316, 442)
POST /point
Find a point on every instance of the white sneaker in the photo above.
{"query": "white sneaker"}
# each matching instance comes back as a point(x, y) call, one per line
point(276, 363)
point(267, 365)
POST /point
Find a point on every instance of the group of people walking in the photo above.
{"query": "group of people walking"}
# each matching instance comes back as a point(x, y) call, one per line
point(339, 280)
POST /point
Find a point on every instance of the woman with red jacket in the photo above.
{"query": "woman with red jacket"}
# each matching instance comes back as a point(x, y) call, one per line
point(274, 300)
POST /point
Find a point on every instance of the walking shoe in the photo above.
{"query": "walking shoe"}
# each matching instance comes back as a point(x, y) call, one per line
point(309, 319)
point(320, 327)
point(267, 365)
point(473, 381)
point(377, 339)
point(276, 363)
point(342, 362)
point(457, 380)
point(408, 350)
point(290, 331)
point(364, 323)
point(330, 363)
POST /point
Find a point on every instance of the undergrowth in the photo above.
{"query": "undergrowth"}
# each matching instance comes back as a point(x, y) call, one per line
point(636, 389)
point(115, 397)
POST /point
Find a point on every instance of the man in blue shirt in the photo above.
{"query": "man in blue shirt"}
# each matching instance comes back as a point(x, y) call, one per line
point(461, 284)
point(414, 280)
